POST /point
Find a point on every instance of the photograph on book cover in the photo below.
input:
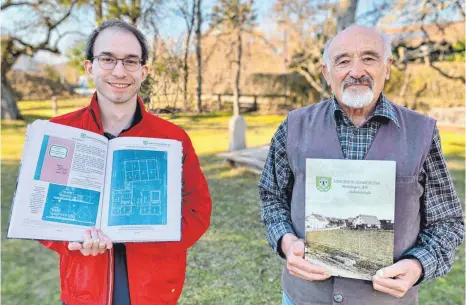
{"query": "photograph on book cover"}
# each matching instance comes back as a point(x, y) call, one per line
point(349, 218)
point(138, 188)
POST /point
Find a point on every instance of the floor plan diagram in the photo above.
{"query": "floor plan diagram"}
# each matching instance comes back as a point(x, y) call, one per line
point(138, 188)
point(71, 205)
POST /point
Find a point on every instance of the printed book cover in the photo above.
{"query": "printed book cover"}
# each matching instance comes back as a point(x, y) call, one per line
point(349, 217)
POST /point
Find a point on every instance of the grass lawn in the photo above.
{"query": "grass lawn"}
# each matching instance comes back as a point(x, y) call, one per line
point(232, 263)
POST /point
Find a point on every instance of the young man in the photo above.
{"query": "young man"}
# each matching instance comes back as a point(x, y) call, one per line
point(96, 272)
point(357, 123)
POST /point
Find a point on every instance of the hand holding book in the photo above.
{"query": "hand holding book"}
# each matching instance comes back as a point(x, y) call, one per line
point(95, 242)
point(293, 248)
point(398, 278)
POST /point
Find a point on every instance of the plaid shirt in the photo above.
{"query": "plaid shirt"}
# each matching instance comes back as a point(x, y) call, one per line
point(443, 227)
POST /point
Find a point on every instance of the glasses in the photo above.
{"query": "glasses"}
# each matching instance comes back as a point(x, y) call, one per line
point(108, 62)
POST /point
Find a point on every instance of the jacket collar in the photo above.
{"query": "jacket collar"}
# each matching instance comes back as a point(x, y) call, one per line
point(97, 117)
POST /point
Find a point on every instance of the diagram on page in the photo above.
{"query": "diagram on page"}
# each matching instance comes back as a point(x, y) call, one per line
point(138, 188)
point(71, 205)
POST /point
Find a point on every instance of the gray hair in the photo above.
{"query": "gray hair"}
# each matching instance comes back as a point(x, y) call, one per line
point(386, 46)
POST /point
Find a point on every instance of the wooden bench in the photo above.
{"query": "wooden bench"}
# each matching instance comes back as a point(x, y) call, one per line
point(252, 158)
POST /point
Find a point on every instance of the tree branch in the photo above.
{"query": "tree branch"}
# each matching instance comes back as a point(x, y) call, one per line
point(8, 4)
point(443, 73)
point(458, 3)
point(264, 39)
point(43, 45)
point(303, 70)
point(61, 36)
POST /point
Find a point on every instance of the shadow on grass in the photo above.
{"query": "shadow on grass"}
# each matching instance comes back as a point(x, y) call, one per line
point(457, 144)
point(29, 118)
point(61, 106)
point(197, 117)
point(454, 157)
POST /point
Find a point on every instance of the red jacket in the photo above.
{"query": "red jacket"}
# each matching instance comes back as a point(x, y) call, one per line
point(156, 271)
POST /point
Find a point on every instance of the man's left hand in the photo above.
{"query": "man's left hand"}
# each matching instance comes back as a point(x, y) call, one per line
point(398, 278)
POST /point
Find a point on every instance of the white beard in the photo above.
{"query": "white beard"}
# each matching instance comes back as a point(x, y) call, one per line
point(356, 99)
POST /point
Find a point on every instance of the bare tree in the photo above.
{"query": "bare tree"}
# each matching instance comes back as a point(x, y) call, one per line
point(129, 10)
point(428, 18)
point(199, 54)
point(138, 12)
point(235, 18)
point(187, 11)
point(98, 10)
point(44, 20)
point(311, 23)
point(346, 14)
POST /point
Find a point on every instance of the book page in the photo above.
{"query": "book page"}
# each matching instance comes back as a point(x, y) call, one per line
point(350, 211)
point(143, 190)
point(60, 185)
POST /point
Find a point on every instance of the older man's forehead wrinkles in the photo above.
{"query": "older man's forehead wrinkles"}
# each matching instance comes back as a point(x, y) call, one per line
point(367, 40)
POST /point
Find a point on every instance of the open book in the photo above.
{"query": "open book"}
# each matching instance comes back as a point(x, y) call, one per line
point(71, 179)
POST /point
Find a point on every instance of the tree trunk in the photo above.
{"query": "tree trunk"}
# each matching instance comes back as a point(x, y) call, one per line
point(99, 17)
point(346, 14)
point(189, 29)
point(10, 109)
point(186, 71)
point(199, 57)
point(404, 87)
point(135, 12)
point(236, 91)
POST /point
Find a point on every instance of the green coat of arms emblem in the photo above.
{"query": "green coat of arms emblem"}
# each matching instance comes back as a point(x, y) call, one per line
point(323, 184)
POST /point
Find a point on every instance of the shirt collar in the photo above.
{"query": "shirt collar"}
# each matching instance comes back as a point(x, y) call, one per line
point(139, 113)
point(383, 108)
point(136, 119)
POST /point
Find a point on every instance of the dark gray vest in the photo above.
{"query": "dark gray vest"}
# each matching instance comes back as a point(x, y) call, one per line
point(312, 134)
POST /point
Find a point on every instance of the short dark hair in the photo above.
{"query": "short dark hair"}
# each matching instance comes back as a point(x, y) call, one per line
point(122, 25)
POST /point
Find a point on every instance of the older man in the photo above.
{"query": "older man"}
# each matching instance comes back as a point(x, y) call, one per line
point(357, 123)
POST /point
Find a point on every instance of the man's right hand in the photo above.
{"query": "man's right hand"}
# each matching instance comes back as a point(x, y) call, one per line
point(293, 248)
point(95, 243)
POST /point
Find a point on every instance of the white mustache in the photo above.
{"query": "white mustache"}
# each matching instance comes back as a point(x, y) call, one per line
point(365, 80)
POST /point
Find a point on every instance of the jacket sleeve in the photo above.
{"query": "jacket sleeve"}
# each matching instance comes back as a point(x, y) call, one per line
point(61, 247)
point(196, 208)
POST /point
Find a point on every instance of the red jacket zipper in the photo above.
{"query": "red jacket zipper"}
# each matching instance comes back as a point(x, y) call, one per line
point(110, 277)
